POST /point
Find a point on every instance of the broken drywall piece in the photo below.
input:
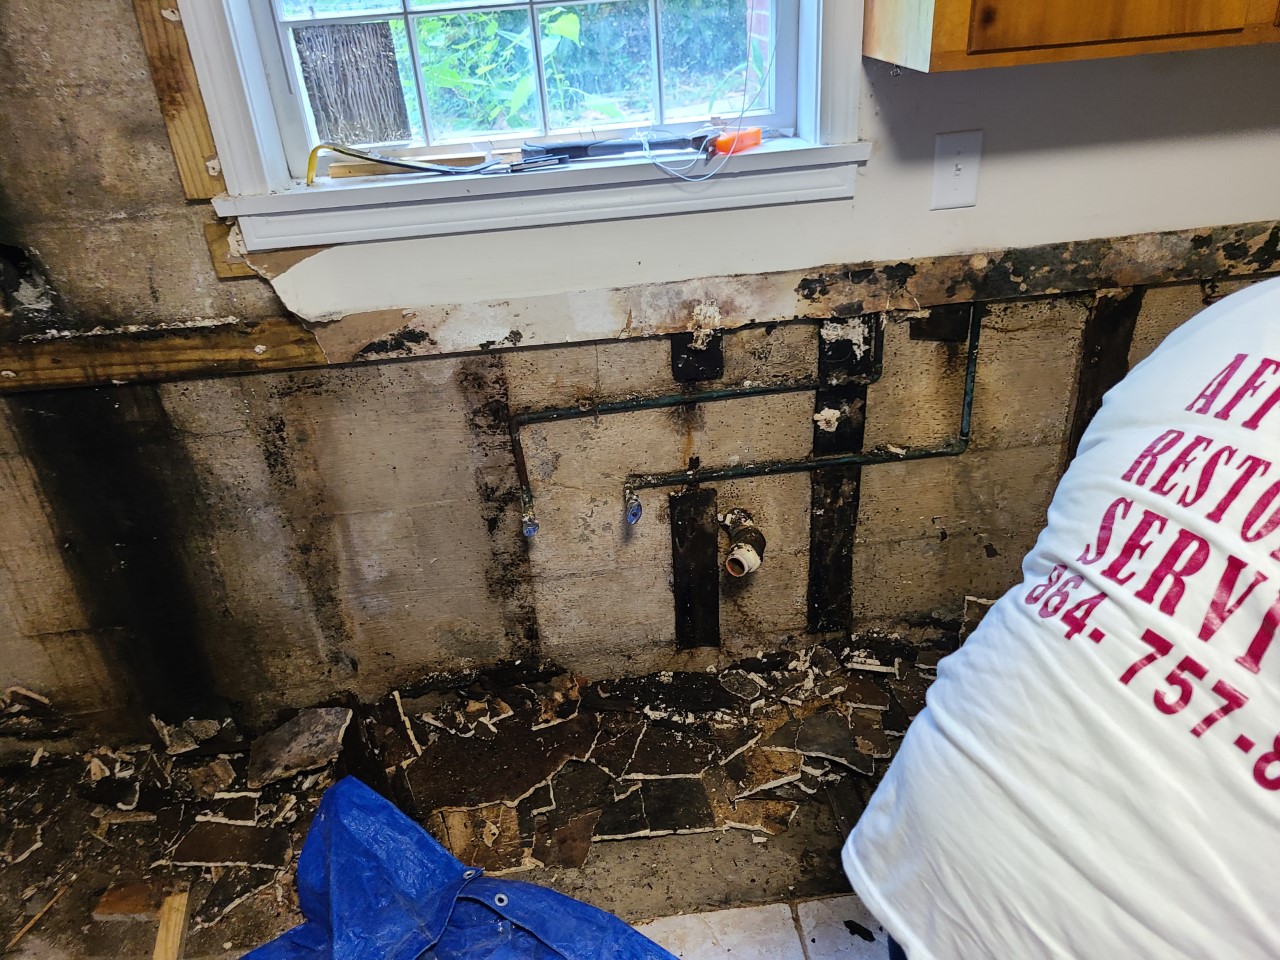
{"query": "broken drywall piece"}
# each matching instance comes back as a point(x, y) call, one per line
point(233, 887)
point(468, 773)
point(665, 752)
point(226, 845)
point(238, 810)
point(863, 693)
point(758, 770)
point(566, 845)
point(311, 740)
point(742, 684)
point(659, 807)
point(186, 736)
point(617, 745)
point(404, 718)
point(23, 842)
point(558, 701)
point(28, 718)
point(487, 837)
point(211, 778)
point(129, 901)
point(113, 818)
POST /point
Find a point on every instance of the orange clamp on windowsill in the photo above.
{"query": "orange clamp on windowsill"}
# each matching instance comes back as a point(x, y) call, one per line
point(735, 141)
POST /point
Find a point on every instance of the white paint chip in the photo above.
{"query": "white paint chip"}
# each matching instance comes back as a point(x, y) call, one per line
point(827, 419)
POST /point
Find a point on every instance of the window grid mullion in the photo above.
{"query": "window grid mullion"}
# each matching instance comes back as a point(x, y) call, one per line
point(659, 102)
point(532, 8)
point(539, 74)
point(424, 111)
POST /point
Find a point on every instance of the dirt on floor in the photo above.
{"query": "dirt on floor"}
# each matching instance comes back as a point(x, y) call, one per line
point(646, 796)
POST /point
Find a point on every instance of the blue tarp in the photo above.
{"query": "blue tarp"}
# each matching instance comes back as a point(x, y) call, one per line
point(373, 885)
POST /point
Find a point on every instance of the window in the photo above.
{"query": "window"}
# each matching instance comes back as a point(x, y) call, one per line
point(446, 75)
point(430, 77)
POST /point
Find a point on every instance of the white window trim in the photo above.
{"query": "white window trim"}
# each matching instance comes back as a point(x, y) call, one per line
point(298, 128)
point(277, 211)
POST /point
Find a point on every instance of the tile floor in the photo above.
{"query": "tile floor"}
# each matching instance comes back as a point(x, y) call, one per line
point(837, 927)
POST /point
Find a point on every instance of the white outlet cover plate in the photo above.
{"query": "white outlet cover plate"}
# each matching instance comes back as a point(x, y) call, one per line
point(956, 158)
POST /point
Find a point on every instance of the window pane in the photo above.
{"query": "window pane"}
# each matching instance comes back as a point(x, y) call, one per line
point(318, 9)
point(598, 62)
point(359, 82)
point(706, 65)
point(477, 74)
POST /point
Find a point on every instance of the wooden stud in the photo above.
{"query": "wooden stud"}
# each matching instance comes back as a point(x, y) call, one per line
point(173, 927)
point(174, 75)
point(1104, 355)
point(36, 919)
point(339, 169)
point(226, 264)
point(695, 567)
point(277, 344)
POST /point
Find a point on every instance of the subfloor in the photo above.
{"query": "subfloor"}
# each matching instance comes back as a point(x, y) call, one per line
point(648, 797)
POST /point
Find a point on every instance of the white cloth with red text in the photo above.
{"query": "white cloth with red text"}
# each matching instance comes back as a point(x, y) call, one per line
point(1097, 772)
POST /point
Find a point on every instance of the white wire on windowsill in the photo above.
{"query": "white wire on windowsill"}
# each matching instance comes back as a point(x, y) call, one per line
point(644, 135)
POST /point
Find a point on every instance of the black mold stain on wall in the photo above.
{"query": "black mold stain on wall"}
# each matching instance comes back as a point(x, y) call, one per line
point(120, 491)
point(482, 380)
point(1104, 355)
point(28, 302)
point(835, 491)
point(285, 438)
point(695, 567)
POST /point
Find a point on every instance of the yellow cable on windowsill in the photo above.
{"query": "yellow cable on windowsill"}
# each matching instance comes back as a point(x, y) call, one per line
point(419, 166)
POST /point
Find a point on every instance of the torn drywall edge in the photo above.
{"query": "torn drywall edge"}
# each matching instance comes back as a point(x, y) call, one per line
point(373, 301)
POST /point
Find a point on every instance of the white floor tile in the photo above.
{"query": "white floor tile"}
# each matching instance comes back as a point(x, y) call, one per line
point(841, 927)
point(746, 933)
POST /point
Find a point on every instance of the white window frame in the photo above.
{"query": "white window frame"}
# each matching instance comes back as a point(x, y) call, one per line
point(297, 123)
point(276, 211)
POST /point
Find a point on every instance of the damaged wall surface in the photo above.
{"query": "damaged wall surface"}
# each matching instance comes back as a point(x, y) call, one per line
point(347, 517)
point(278, 539)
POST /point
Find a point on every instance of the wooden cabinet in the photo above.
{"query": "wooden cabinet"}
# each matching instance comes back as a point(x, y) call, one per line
point(934, 35)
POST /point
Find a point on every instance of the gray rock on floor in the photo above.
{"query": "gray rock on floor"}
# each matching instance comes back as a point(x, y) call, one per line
point(309, 741)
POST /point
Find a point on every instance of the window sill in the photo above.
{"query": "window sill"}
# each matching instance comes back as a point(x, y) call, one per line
point(386, 208)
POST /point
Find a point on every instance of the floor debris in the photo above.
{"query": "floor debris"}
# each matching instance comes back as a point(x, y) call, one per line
point(129, 901)
point(26, 928)
point(309, 741)
point(209, 844)
point(515, 769)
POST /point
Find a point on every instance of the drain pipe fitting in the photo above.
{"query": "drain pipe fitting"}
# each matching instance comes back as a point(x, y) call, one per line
point(746, 543)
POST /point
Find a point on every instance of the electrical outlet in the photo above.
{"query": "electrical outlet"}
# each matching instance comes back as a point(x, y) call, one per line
point(955, 169)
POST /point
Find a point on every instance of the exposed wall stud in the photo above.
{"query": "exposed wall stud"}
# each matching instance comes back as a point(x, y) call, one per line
point(695, 567)
point(1104, 355)
point(948, 323)
point(697, 356)
point(165, 41)
point(847, 355)
point(226, 264)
